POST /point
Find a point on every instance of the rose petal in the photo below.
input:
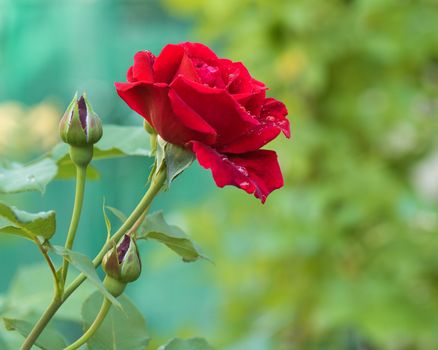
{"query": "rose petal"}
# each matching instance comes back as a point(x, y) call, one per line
point(243, 82)
point(272, 121)
point(152, 102)
point(167, 63)
point(197, 50)
point(142, 68)
point(186, 69)
point(255, 172)
point(252, 101)
point(191, 119)
point(275, 112)
point(252, 140)
point(216, 107)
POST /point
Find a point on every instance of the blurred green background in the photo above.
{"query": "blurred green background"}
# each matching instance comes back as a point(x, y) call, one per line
point(345, 256)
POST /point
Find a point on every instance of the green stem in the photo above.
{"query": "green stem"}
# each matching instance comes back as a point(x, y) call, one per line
point(51, 266)
point(106, 305)
point(156, 184)
point(41, 324)
point(81, 176)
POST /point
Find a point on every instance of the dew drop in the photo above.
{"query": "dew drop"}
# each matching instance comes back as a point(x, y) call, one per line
point(270, 118)
point(31, 178)
point(245, 185)
point(242, 170)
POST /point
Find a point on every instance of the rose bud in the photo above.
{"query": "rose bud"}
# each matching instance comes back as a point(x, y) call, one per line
point(122, 265)
point(213, 107)
point(81, 128)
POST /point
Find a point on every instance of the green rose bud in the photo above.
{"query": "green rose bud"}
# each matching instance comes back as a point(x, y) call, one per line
point(122, 265)
point(81, 128)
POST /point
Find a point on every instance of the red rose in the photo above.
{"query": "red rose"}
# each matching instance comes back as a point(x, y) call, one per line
point(215, 108)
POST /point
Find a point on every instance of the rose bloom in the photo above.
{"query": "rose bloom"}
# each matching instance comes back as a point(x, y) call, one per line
point(212, 106)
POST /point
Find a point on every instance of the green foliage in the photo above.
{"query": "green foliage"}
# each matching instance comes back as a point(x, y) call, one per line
point(344, 257)
point(84, 265)
point(177, 159)
point(191, 344)
point(49, 339)
point(122, 329)
point(156, 228)
point(16, 177)
point(21, 223)
point(29, 294)
point(31, 290)
point(117, 141)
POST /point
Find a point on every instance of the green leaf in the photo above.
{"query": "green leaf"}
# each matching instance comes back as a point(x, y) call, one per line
point(3, 344)
point(117, 141)
point(31, 291)
point(120, 330)
point(16, 177)
point(10, 340)
point(117, 213)
point(84, 265)
point(177, 159)
point(190, 344)
point(48, 340)
point(155, 227)
point(67, 170)
point(21, 223)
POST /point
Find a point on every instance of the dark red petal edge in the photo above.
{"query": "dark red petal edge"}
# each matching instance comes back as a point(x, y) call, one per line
point(255, 172)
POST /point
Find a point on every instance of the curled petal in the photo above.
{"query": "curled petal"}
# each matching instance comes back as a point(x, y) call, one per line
point(191, 119)
point(197, 50)
point(186, 69)
point(275, 112)
point(152, 102)
point(168, 62)
point(272, 121)
point(217, 107)
point(142, 70)
point(252, 101)
point(252, 140)
point(255, 172)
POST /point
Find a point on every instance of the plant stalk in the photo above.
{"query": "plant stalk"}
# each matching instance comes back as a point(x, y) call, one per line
point(156, 184)
point(41, 324)
point(106, 305)
point(49, 261)
point(81, 176)
point(155, 187)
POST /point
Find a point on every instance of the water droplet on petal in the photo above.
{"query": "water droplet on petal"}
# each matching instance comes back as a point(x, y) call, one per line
point(245, 185)
point(242, 170)
point(270, 118)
